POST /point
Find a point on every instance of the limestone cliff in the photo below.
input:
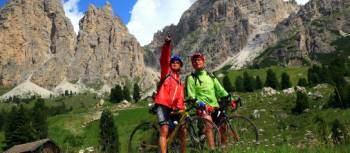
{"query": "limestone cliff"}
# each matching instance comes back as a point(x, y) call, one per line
point(37, 42)
point(105, 53)
point(318, 32)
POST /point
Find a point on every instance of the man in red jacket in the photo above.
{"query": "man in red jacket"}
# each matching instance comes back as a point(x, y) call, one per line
point(170, 94)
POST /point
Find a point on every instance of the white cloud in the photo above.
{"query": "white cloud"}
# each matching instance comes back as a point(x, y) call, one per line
point(149, 16)
point(72, 12)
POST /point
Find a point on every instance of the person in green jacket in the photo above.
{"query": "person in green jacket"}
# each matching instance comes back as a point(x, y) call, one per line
point(206, 89)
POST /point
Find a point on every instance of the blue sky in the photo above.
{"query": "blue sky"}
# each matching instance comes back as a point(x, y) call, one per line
point(142, 17)
point(121, 8)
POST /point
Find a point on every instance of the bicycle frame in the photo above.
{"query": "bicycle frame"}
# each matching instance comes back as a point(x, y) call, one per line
point(184, 116)
point(224, 120)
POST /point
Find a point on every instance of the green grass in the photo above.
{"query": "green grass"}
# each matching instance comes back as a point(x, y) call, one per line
point(61, 131)
point(293, 149)
point(4, 90)
point(2, 138)
point(281, 130)
point(294, 73)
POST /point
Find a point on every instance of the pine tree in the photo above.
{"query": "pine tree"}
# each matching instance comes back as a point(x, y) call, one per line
point(116, 95)
point(2, 119)
point(66, 93)
point(302, 103)
point(285, 81)
point(109, 139)
point(248, 83)
point(239, 84)
point(136, 93)
point(271, 79)
point(258, 83)
point(126, 93)
point(227, 84)
point(314, 74)
point(18, 128)
point(39, 119)
point(302, 82)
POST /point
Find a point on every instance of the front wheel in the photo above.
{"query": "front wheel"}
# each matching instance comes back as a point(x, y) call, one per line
point(241, 131)
point(144, 139)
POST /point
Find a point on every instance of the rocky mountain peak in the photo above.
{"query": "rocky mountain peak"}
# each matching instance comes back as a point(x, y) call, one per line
point(35, 36)
point(108, 8)
point(38, 44)
point(309, 36)
point(106, 53)
point(226, 31)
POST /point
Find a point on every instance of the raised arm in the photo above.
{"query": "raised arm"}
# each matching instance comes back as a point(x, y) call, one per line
point(165, 58)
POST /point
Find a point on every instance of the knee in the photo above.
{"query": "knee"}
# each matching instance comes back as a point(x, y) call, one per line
point(164, 131)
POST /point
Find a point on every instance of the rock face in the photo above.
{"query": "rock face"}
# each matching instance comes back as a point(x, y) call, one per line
point(316, 33)
point(37, 42)
point(106, 53)
point(223, 30)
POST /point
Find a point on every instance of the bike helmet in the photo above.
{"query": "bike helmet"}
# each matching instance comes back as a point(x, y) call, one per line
point(176, 58)
point(197, 55)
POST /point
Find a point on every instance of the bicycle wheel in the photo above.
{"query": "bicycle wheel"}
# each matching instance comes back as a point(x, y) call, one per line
point(198, 141)
point(175, 146)
point(241, 131)
point(144, 139)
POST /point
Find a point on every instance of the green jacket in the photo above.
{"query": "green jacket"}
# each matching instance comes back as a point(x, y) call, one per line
point(205, 88)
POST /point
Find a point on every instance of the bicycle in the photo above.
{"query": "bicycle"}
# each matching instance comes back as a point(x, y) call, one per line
point(240, 130)
point(144, 138)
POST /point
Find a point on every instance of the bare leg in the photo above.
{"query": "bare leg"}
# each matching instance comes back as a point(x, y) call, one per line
point(183, 139)
point(209, 132)
point(163, 137)
point(223, 133)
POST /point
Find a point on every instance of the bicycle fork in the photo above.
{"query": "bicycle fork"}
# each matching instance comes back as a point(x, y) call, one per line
point(231, 131)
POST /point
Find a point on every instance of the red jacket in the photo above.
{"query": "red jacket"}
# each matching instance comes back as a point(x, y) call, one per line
point(171, 92)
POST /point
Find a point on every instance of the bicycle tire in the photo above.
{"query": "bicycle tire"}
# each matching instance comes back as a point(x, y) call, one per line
point(198, 142)
point(144, 139)
point(245, 129)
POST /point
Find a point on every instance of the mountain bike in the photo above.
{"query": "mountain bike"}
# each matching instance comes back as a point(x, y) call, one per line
point(239, 130)
point(144, 138)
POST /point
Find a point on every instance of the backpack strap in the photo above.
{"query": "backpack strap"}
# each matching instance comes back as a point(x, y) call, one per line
point(195, 77)
point(161, 82)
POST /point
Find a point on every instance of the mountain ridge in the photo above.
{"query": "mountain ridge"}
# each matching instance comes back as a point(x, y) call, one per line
point(39, 44)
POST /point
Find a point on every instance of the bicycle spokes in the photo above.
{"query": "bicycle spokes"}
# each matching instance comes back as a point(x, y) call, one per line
point(242, 131)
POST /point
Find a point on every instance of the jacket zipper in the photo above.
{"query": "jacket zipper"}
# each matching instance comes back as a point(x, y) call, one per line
point(172, 101)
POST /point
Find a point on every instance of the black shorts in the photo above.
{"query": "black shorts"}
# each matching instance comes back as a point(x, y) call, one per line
point(164, 117)
point(216, 116)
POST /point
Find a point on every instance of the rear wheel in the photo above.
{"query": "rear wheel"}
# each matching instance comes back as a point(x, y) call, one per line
point(198, 142)
point(144, 139)
point(241, 132)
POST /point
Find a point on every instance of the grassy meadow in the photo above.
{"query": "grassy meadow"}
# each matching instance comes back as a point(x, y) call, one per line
point(280, 130)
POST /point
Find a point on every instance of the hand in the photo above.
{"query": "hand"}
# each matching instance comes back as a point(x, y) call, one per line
point(168, 38)
point(201, 104)
point(176, 109)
